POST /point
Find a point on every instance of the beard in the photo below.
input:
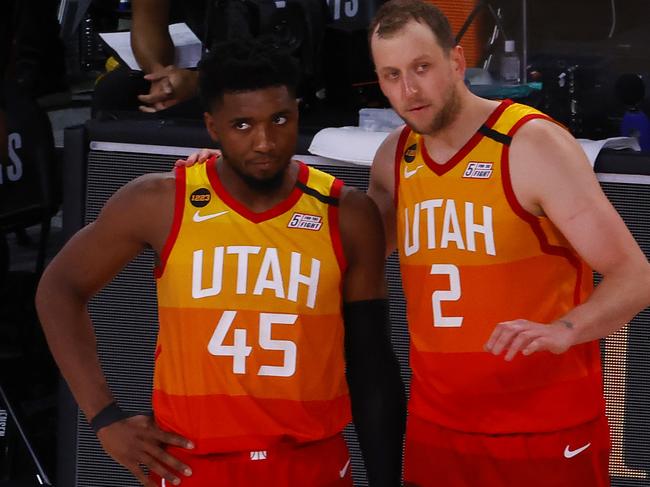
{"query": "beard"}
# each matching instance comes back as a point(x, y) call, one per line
point(267, 183)
point(263, 185)
point(443, 118)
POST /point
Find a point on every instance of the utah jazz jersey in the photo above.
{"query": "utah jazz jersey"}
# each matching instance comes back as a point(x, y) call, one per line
point(472, 257)
point(250, 347)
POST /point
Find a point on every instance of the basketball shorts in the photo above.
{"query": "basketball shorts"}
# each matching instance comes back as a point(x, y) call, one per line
point(572, 457)
point(324, 463)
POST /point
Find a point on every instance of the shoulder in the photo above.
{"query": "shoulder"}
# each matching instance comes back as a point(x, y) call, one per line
point(147, 187)
point(385, 155)
point(543, 135)
point(356, 204)
point(144, 197)
point(542, 145)
point(359, 218)
point(544, 159)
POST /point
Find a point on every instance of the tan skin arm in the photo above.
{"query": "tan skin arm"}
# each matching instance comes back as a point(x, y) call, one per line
point(363, 244)
point(377, 397)
point(154, 51)
point(87, 263)
point(382, 187)
point(152, 45)
point(551, 176)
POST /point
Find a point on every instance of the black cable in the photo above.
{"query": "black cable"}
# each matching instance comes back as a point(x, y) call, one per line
point(472, 15)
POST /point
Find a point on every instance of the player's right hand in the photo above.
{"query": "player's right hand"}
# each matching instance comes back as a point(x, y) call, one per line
point(198, 157)
point(137, 441)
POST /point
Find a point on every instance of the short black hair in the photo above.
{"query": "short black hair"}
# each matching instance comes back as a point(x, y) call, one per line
point(245, 65)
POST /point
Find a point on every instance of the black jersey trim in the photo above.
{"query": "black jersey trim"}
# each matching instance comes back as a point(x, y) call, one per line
point(494, 135)
point(329, 200)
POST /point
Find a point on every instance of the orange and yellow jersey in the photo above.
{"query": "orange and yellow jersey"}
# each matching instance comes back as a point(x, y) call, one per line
point(471, 257)
point(250, 346)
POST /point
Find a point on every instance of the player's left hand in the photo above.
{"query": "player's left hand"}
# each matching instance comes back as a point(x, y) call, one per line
point(529, 337)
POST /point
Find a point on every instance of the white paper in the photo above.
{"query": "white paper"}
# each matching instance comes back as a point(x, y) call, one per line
point(351, 144)
point(593, 147)
point(187, 46)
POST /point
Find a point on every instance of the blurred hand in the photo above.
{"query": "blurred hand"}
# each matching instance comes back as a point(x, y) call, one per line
point(201, 157)
point(529, 337)
point(169, 86)
point(138, 441)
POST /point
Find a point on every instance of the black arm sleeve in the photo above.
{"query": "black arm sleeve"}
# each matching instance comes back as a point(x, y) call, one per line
point(376, 390)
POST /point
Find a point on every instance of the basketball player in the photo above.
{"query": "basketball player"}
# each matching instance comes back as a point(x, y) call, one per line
point(498, 220)
point(270, 290)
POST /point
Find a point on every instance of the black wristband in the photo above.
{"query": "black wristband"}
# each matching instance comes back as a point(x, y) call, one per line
point(107, 416)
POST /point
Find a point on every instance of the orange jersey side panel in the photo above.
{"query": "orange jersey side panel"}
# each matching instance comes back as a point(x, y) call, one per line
point(472, 257)
point(250, 348)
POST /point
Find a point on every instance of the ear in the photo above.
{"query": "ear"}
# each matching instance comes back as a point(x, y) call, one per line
point(211, 126)
point(459, 64)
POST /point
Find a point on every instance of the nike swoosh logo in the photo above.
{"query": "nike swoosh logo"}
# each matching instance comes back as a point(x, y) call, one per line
point(408, 174)
point(568, 453)
point(201, 218)
point(344, 470)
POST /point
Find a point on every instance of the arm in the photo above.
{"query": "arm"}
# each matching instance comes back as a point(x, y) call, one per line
point(154, 50)
point(152, 45)
point(85, 264)
point(382, 187)
point(376, 389)
point(551, 176)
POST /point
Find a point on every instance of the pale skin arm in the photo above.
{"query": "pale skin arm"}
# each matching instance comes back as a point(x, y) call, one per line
point(551, 176)
point(382, 187)
point(86, 264)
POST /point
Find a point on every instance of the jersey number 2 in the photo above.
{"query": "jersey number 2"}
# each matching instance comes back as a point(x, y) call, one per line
point(453, 294)
point(239, 350)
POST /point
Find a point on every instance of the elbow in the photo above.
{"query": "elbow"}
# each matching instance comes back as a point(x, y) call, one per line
point(54, 293)
point(45, 294)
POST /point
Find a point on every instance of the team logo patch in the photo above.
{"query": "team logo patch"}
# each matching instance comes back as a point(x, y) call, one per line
point(305, 221)
point(258, 455)
point(410, 153)
point(478, 170)
point(201, 197)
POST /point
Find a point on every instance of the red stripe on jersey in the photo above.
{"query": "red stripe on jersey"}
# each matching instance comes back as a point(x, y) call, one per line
point(533, 220)
point(281, 207)
point(335, 231)
point(441, 169)
point(399, 154)
point(179, 204)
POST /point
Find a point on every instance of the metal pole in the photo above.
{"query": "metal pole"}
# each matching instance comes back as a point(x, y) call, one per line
point(524, 43)
point(41, 475)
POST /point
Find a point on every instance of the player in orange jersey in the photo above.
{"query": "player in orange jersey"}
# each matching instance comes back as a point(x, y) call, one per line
point(498, 220)
point(271, 294)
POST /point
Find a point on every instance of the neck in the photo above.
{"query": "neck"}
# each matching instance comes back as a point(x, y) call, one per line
point(255, 196)
point(473, 112)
